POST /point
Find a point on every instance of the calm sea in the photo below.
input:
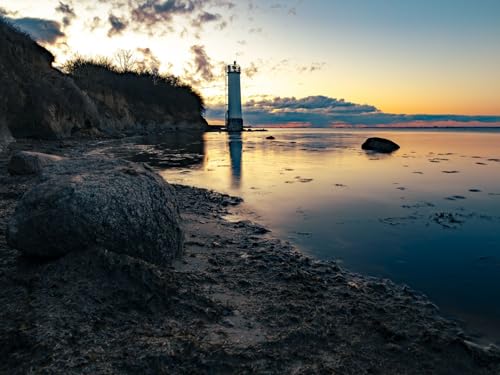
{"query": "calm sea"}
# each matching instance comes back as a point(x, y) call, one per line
point(427, 216)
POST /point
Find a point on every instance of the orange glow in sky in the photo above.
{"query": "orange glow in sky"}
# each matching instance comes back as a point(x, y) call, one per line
point(402, 57)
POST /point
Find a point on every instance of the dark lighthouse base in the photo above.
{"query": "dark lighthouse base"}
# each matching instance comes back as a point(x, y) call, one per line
point(234, 124)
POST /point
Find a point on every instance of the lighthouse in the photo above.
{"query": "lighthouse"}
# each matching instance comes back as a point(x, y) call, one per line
point(234, 118)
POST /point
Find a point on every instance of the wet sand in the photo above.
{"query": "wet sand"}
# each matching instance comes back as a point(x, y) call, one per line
point(240, 301)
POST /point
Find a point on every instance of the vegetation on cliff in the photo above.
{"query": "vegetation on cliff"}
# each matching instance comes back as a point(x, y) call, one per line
point(136, 83)
point(148, 94)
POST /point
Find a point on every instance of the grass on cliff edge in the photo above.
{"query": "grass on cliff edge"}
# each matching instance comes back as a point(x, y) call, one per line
point(136, 84)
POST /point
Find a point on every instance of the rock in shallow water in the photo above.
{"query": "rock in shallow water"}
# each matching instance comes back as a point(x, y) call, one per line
point(27, 162)
point(82, 203)
point(380, 145)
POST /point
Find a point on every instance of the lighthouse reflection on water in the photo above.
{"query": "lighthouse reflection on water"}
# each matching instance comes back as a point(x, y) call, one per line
point(235, 154)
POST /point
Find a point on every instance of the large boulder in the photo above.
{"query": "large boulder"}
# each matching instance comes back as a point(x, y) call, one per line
point(86, 203)
point(28, 162)
point(380, 145)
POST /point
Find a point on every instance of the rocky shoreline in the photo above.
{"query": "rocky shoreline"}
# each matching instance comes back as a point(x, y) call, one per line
point(239, 301)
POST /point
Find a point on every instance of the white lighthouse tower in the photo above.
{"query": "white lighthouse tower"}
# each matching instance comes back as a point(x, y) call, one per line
point(234, 118)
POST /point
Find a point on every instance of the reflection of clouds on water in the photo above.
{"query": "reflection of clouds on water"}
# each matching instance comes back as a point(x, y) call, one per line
point(235, 154)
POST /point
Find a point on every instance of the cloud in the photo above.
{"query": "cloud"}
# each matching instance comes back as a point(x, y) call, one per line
point(252, 70)
point(152, 12)
point(205, 17)
point(153, 17)
point(224, 4)
point(310, 104)
point(118, 25)
point(291, 11)
point(202, 63)
point(41, 30)
point(323, 111)
point(157, 16)
point(277, 6)
point(67, 11)
point(255, 30)
point(315, 66)
point(222, 25)
point(149, 61)
point(94, 24)
point(252, 6)
point(5, 12)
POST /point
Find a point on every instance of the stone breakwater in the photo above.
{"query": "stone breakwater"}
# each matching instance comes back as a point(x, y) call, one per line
point(239, 300)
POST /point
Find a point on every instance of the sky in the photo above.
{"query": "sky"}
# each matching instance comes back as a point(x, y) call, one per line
point(304, 63)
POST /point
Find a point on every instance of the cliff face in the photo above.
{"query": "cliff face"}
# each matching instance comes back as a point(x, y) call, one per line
point(135, 102)
point(38, 101)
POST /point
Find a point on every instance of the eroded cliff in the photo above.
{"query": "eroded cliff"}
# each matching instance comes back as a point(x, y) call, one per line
point(39, 101)
point(132, 102)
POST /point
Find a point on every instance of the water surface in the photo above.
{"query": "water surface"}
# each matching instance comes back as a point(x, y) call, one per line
point(427, 215)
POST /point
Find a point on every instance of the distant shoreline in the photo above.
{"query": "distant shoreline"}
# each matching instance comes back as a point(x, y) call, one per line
point(217, 127)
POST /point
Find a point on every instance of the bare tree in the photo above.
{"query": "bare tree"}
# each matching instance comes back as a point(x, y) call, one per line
point(125, 60)
point(155, 73)
point(149, 64)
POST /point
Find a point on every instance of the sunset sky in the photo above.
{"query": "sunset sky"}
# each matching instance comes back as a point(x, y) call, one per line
point(384, 58)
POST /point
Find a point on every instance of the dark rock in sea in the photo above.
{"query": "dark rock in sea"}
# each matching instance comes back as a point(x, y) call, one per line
point(86, 203)
point(380, 145)
point(270, 137)
point(27, 162)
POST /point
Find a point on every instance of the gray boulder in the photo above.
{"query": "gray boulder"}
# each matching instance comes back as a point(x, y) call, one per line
point(86, 203)
point(27, 162)
point(5, 136)
point(380, 145)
